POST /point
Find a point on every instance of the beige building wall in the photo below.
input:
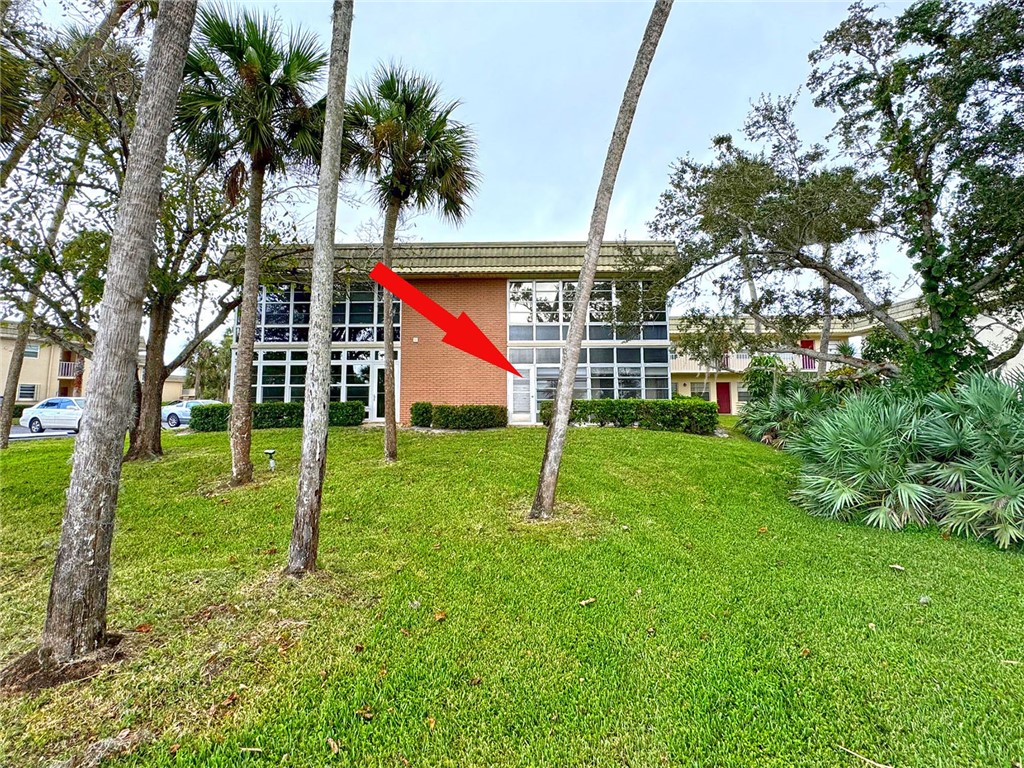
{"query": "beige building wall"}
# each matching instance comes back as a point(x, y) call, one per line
point(44, 371)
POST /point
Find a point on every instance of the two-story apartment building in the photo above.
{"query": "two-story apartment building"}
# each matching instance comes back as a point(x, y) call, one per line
point(521, 296)
point(52, 371)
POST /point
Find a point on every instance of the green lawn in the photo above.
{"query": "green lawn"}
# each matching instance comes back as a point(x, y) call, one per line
point(727, 627)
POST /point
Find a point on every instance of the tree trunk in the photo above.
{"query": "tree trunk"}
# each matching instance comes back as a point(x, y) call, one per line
point(56, 94)
point(29, 311)
point(544, 501)
point(241, 402)
point(305, 542)
point(76, 614)
point(144, 442)
point(390, 421)
point(826, 318)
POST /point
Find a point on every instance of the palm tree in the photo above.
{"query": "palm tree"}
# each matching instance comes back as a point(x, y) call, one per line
point(302, 551)
point(400, 136)
point(544, 501)
point(76, 614)
point(246, 105)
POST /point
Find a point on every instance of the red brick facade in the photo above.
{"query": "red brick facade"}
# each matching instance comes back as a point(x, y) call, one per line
point(436, 373)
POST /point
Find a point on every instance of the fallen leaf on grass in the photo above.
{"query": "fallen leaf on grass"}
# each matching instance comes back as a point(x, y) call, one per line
point(270, 551)
point(437, 546)
point(144, 628)
point(382, 672)
point(365, 712)
point(405, 631)
point(358, 648)
point(440, 616)
point(651, 631)
point(333, 745)
point(475, 681)
point(588, 601)
point(431, 722)
point(762, 529)
point(173, 749)
point(805, 652)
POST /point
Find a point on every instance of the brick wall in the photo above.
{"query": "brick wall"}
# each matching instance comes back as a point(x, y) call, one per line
point(436, 373)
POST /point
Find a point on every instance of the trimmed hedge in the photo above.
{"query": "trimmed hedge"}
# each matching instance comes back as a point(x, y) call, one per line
point(214, 418)
point(20, 408)
point(685, 414)
point(469, 416)
point(421, 414)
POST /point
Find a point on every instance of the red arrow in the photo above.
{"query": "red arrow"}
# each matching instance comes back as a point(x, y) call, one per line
point(459, 332)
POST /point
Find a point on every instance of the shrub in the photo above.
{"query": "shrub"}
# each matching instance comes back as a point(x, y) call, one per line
point(469, 416)
point(763, 376)
point(210, 418)
point(972, 438)
point(783, 416)
point(859, 463)
point(350, 413)
point(421, 414)
point(888, 458)
point(19, 409)
point(685, 414)
point(214, 418)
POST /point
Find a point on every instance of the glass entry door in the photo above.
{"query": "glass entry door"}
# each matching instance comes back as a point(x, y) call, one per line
point(378, 393)
point(524, 396)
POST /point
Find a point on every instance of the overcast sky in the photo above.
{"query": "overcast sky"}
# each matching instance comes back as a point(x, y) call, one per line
point(540, 82)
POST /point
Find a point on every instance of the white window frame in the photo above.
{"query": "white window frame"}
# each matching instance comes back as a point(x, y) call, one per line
point(35, 392)
point(32, 351)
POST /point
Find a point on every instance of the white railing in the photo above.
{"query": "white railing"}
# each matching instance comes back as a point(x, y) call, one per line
point(739, 361)
point(65, 370)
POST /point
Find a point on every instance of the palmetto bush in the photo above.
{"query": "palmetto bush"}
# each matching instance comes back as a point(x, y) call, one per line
point(783, 415)
point(973, 439)
point(860, 463)
point(890, 459)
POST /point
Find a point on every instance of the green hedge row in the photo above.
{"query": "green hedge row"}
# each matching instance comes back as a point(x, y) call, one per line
point(421, 414)
point(684, 414)
point(214, 418)
point(19, 408)
point(459, 416)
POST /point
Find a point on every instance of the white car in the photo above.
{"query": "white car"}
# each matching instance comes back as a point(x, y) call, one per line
point(180, 411)
point(54, 413)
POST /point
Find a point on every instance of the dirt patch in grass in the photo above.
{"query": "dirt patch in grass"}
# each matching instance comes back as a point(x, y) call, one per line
point(26, 674)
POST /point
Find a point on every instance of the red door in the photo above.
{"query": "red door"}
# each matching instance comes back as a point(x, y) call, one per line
point(807, 363)
point(724, 392)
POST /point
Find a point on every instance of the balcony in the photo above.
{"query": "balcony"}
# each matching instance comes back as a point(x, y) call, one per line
point(66, 369)
point(739, 361)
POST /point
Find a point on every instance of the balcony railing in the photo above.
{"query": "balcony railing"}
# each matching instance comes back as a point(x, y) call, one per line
point(66, 370)
point(740, 361)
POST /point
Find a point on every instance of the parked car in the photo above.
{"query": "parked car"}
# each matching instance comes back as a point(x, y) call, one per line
point(54, 413)
point(180, 411)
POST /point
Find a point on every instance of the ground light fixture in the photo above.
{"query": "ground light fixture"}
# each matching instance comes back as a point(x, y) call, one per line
point(269, 453)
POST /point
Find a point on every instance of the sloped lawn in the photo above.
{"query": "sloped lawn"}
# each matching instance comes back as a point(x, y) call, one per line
point(723, 627)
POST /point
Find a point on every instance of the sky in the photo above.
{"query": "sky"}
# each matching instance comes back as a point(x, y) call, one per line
point(540, 84)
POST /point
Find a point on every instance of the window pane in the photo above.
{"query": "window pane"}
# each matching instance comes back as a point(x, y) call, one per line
point(273, 394)
point(600, 332)
point(297, 374)
point(601, 302)
point(300, 314)
point(357, 374)
point(655, 331)
point(546, 299)
point(362, 394)
point(655, 355)
point(277, 314)
point(568, 300)
point(360, 314)
point(298, 355)
point(549, 355)
point(358, 354)
point(298, 394)
point(520, 355)
point(602, 355)
point(273, 374)
point(274, 355)
point(275, 334)
point(300, 334)
point(361, 334)
point(602, 382)
point(520, 333)
point(628, 355)
point(547, 333)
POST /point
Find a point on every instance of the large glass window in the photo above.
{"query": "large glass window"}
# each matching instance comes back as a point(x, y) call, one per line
point(356, 316)
point(540, 310)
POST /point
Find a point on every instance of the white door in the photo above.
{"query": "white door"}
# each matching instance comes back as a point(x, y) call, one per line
point(522, 396)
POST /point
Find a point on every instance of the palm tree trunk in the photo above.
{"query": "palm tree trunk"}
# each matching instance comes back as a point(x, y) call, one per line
point(390, 423)
point(241, 402)
point(43, 112)
point(313, 463)
point(29, 312)
point(544, 501)
point(144, 442)
point(76, 614)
